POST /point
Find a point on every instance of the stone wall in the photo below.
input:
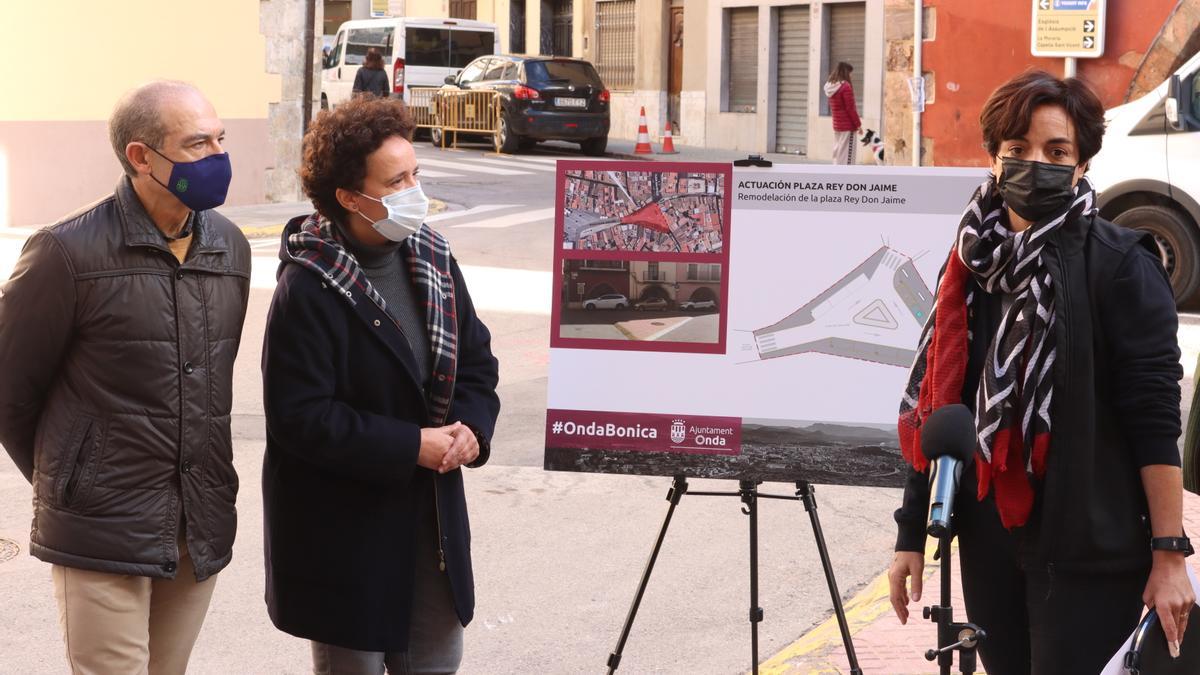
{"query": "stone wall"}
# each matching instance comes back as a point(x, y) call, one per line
point(282, 23)
point(1178, 42)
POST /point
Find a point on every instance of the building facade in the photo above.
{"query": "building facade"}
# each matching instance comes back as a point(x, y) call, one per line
point(969, 48)
point(525, 26)
point(247, 57)
point(744, 75)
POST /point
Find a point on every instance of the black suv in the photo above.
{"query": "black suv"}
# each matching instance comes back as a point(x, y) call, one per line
point(543, 98)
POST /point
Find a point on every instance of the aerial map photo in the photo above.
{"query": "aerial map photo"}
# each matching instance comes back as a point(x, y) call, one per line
point(649, 211)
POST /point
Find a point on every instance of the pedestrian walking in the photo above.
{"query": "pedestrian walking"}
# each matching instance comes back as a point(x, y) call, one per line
point(379, 385)
point(118, 332)
point(844, 110)
point(1059, 329)
point(371, 77)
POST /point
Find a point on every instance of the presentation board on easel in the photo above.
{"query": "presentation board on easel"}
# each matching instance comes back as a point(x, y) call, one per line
point(749, 323)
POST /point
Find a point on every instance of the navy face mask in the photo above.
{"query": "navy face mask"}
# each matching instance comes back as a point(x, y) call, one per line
point(200, 185)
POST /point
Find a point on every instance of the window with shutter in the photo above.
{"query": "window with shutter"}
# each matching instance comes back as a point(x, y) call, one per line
point(615, 48)
point(845, 33)
point(741, 59)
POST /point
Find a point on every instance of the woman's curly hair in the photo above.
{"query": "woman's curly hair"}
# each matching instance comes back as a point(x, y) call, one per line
point(337, 145)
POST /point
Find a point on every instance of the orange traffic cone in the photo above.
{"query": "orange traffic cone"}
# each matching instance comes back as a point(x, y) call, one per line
point(668, 145)
point(643, 137)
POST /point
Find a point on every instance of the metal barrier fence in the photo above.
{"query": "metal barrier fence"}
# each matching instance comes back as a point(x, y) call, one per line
point(474, 112)
point(420, 106)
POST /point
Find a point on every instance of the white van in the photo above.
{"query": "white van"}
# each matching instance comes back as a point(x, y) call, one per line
point(417, 52)
point(1148, 172)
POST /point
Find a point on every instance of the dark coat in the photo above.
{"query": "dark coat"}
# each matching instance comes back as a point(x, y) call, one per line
point(116, 392)
point(1115, 407)
point(371, 81)
point(342, 490)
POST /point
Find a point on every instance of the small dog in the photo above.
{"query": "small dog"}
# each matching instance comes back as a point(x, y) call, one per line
point(872, 140)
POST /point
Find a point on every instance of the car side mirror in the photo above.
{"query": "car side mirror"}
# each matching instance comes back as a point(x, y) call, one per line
point(1173, 104)
point(451, 79)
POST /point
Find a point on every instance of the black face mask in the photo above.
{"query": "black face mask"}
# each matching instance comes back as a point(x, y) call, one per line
point(1036, 190)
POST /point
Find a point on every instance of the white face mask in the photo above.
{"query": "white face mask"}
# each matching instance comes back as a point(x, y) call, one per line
point(406, 212)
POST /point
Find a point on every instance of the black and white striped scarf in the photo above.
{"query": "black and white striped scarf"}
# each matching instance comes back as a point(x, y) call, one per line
point(1012, 411)
point(318, 245)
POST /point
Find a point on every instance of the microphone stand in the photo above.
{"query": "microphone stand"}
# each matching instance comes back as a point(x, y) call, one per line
point(952, 637)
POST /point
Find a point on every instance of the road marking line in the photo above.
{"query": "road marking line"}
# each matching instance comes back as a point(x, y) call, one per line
point(431, 173)
point(512, 162)
point(464, 166)
point(552, 161)
point(510, 220)
point(474, 210)
point(871, 603)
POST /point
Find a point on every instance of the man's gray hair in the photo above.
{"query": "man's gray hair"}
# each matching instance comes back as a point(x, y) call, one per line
point(138, 117)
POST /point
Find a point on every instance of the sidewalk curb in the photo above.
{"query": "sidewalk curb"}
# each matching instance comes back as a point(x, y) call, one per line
point(864, 609)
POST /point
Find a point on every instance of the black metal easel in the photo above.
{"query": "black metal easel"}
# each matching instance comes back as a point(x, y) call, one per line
point(749, 495)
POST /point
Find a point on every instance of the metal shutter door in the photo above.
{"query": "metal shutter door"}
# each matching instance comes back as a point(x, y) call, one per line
point(743, 59)
point(847, 42)
point(791, 100)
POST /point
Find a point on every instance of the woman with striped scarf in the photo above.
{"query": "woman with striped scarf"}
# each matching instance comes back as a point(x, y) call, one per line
point(1058, 329)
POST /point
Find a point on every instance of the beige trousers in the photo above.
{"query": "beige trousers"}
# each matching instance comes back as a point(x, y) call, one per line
point(844, 146)
point(114, 623)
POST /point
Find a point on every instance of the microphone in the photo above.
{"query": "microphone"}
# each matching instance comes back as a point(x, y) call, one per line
point(948, 442)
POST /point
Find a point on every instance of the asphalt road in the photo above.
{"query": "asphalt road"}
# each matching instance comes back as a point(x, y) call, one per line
point(557, 555)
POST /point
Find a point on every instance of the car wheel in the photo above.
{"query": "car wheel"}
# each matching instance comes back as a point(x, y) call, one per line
point(435, 136)
point(620, 306)
point(1177, 244)
point(594, 147)
point(589, 306)
point(508, 142)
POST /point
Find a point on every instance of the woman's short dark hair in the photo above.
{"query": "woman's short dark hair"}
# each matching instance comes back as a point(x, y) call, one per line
point(338, 143)
point(373, 60)
point(1009, 111)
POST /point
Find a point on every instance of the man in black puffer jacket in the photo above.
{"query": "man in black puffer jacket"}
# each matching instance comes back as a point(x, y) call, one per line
point(118, 333)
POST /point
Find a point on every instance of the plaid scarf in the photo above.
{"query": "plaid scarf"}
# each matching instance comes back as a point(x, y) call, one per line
point(1012, 409)
point(318, 245)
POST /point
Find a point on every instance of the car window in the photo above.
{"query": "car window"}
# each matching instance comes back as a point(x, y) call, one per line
point(467, 45)
point(574, 72)
point(472, 72)
point(495, 71)
point(360, 40)
point(427, 47)
point(335, 56)
point(510, 71)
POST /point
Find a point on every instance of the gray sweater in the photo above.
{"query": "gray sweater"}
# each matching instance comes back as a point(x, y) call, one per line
point(386, 268)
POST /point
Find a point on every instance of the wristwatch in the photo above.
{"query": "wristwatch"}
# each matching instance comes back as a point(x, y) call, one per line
point(1181, 544)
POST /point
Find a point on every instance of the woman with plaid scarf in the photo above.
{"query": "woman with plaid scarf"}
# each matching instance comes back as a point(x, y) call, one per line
point(379, 387)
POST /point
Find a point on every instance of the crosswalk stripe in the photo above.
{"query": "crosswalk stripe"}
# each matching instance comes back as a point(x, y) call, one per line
point(513, 163)
point(475, 210)
point(463, 165)
point(431, 173)
point(539, 160)
point(509, 220)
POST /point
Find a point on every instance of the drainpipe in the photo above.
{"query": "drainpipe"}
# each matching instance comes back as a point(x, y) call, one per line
point(310, 38)
point(918, 79)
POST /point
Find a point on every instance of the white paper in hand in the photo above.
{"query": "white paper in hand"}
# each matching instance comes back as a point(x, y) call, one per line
point(1116, 665)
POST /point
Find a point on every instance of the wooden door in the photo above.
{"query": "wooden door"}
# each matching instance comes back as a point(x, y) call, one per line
point(675, 68)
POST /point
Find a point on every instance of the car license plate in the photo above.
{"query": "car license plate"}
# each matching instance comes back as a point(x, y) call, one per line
point(570, 102)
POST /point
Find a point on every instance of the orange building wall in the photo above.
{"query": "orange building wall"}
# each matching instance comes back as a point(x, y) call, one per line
point(979, 45)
